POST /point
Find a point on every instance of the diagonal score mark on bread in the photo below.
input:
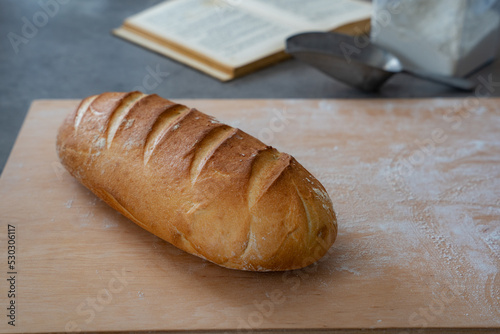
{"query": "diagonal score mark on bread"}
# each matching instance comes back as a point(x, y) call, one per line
point(82, 109)
point(163, 124)
point(306, 209)
point(120, 113)
point(250, 243)
point(268, 165)
point(207, 146)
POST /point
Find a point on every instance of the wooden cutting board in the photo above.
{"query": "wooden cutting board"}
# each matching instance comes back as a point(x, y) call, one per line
point(415, 184)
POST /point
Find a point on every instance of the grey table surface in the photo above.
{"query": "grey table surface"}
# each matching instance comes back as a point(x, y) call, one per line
point(72, 54)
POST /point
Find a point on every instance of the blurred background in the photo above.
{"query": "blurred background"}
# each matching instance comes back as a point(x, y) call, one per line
point(75, 55)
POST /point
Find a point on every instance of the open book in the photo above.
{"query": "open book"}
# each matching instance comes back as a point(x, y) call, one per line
point(229, 38)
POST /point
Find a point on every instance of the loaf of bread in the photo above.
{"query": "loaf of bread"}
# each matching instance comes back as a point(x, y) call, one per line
point(209, 189)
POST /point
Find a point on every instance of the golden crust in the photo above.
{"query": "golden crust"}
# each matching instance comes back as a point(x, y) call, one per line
point(205, 187)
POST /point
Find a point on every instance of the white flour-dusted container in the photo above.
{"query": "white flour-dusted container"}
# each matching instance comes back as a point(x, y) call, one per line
point(449, 37)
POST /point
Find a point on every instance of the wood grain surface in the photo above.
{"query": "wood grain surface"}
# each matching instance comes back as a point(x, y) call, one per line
point(415, 184)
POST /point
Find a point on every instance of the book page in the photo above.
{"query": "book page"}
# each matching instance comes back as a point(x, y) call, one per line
point(218, 29)
point(321, 15)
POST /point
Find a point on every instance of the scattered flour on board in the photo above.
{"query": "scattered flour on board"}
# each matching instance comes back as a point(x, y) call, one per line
point(440, 217)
